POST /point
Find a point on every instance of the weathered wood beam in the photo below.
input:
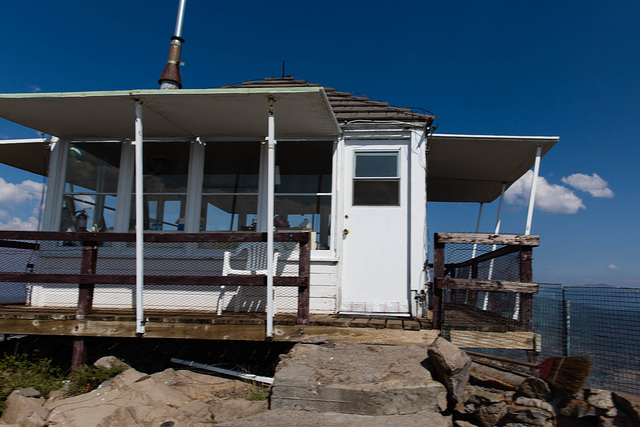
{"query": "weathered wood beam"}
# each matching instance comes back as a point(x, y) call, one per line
point(487, 239)
point(124, 279)
point(283, 333)
point(504, 340)
point(19, 245)
point(242, 236)
point(489, 285)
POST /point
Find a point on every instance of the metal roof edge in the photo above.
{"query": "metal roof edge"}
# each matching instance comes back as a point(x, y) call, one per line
point(153, 92)
point(511, 137)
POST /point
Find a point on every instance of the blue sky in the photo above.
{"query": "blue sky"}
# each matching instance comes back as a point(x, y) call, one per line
point(567, 69)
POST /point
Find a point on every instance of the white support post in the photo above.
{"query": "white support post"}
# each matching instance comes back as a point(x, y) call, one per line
point(485, 303)
point(192, 220)
point(121, 223)
point(532, 195)
point(140, 328)
point(55, 185)
point(271, 160)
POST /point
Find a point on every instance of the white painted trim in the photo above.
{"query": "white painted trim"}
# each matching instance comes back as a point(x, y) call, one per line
point(193, 208)
point(55, 185)
point(25, 141)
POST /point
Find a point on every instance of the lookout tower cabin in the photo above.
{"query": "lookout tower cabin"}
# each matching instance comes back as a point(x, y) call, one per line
point(272, 191)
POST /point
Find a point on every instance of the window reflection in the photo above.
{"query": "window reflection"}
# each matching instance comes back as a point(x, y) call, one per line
point(90, 186)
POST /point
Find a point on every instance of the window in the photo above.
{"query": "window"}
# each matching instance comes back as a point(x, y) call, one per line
point(165, 172)
point(303, 188)
point(230, 186)
point(376, 180)
point(90, 186)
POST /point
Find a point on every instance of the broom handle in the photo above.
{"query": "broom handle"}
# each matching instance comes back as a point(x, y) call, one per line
point(502, 359)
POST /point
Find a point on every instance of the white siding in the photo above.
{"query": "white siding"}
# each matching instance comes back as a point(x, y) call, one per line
point(175, 262)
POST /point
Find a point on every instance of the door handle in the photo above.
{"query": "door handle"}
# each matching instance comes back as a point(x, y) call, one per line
point(345, 231)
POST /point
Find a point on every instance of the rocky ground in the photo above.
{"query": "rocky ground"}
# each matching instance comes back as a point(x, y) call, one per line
point(334, 385)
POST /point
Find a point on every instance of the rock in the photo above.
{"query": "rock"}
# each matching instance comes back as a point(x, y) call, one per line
point(356, 379)
point(578, 409)
point(528, 415)
point(478, 396)
point(228, 410)
point(536, 388)
point(629, 404)
point(536, 403)
point(177, 398)
point(459, 423)
point(488, 416)
point(26, 411)
point(110, 362)
point(290, 418)
point(615, 422)
point(452, 366)
point(29, 392)
point(601, 399)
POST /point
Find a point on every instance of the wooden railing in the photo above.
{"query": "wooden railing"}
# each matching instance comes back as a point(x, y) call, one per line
point(444, 273)
point(91, 242)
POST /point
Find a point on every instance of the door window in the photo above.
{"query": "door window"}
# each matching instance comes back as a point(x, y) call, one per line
point(376, 180)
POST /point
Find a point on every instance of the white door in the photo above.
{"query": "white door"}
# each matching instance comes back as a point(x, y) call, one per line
point(375, 226)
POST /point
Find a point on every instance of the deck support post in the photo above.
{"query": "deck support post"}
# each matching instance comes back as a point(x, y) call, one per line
point(438, 276)
point(304, 264)
point(271, 167)
point(85, 300)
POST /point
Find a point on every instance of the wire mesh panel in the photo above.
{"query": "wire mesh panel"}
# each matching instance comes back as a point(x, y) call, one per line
point(15, 260)
point(222, 272)
point(602, 323)
point(473, 309)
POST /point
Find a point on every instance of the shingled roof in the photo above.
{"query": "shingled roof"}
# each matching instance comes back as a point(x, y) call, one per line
point(346, 106)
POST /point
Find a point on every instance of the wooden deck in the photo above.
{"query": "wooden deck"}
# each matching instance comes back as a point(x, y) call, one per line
point(19, 319)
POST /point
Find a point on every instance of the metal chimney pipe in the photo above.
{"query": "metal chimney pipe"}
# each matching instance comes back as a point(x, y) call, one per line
point(170, 78)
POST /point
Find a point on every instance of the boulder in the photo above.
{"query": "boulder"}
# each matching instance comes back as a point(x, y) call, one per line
point(452, 366)
point(23, 410)
point(176, 398)
point(629, 404)
point(356, 379)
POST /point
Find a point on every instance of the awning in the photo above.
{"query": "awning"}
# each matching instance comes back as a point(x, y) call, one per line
point(472, 168)
point(234, 112)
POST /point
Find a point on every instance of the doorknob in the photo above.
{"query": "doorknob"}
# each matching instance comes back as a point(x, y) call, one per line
point(345, 231)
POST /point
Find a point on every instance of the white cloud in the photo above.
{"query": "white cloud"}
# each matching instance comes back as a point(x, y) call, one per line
point(15, 223)
point(552, 198)
point(591, 184)
point(612, 267)
point(21, 205)
point(12, 195)
point(35, 88)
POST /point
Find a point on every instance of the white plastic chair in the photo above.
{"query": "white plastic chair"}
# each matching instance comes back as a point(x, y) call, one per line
point(256, 264)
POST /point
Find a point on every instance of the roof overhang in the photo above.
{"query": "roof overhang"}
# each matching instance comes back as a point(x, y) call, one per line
point(234, 112)
point(472, 168)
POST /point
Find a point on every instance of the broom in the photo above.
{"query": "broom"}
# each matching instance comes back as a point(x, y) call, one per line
point(564, 373)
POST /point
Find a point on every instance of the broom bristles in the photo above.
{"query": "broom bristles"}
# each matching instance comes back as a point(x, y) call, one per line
point(566, 373)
